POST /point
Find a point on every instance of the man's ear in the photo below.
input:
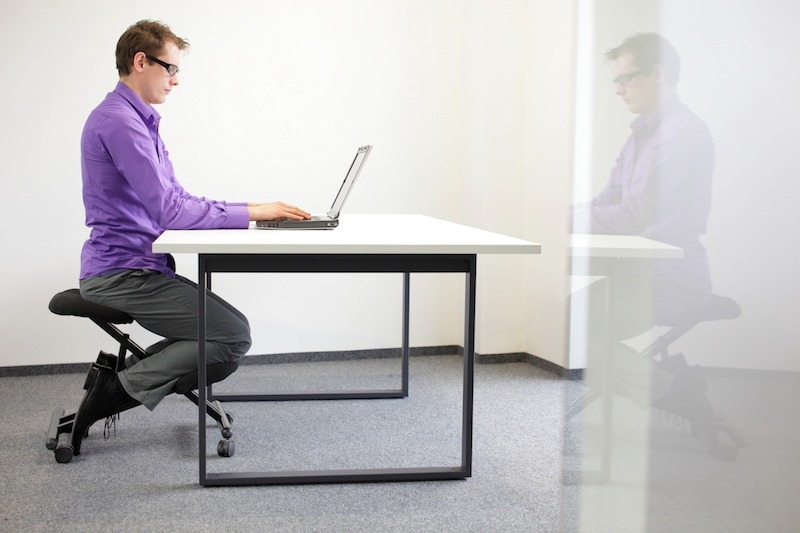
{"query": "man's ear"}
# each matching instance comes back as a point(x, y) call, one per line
point(138, 61)
point(660, 73)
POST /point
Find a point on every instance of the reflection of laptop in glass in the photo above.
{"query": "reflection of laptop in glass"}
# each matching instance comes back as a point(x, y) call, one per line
point(331, 220)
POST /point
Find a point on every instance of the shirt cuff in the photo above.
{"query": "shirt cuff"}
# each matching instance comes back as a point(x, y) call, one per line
point(238, 216)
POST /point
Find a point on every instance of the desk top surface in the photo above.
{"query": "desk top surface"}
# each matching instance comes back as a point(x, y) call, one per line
point(356, 234)
point(621, 246)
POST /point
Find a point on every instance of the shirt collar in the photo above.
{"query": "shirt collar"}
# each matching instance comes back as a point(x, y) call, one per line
point(647, 123)
point(149, 115)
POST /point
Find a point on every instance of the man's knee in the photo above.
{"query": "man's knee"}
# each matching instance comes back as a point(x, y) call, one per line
point(245, 339)
point(240, 344)
point(243, 347)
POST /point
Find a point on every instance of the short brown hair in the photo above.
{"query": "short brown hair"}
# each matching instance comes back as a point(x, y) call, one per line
point(648, 50)
point(146, 36)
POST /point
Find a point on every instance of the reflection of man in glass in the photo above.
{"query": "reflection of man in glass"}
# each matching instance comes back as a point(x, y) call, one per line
point(660, 187)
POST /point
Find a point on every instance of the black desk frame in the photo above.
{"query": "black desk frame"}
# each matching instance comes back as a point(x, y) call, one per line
point(342, 263)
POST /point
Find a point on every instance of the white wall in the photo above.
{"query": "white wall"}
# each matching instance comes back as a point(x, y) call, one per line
point(274, 98)
point(548, 159)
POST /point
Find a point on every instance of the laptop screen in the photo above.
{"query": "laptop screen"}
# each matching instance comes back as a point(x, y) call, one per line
point(349, 180)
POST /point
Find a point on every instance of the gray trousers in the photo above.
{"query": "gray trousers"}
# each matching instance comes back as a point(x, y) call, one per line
point(168, 307)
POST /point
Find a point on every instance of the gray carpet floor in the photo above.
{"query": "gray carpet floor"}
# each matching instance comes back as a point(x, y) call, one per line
point(145, 477)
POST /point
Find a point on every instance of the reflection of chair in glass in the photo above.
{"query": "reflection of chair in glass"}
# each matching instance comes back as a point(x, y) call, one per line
point(60, 438)
point(686, 395)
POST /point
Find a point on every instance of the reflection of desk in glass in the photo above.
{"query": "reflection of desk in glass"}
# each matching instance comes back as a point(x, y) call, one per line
point(596, 259)
point(362, 243)
point(608, 248)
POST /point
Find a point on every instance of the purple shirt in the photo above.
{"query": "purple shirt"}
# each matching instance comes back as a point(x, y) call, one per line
point(130, 192)
point(660, 188)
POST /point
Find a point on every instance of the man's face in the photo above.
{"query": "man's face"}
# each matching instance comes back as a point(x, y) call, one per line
point(156, 81)
point(641, 91)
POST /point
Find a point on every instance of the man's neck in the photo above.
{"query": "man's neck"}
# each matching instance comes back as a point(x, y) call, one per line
point(663, 96)
point(130, 82)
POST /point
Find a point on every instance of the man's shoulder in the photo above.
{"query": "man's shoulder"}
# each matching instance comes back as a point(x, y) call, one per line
point(113, 104)
point(682, 122)
point(113, 112)
point(682, 114)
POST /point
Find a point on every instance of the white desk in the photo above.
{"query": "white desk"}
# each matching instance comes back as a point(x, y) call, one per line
point(597, 246)
point(362, 243)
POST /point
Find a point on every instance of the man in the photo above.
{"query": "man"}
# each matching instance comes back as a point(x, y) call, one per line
point(660, 187)
point(131, 196)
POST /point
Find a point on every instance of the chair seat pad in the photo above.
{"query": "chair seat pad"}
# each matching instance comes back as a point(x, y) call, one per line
point(715, 307)
point(70, 303)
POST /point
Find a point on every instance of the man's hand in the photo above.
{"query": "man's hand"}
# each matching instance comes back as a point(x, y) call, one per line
point(276, 211)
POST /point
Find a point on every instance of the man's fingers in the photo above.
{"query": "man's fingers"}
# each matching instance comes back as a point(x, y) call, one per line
point(295, 212)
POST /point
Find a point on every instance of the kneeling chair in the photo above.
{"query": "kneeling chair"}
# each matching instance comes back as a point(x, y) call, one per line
point(694, 406)
point(60, 437)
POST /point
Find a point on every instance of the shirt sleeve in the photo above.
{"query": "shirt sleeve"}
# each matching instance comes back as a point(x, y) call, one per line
point(667, 190)
point(618, 209)
point(600, 214)
point(145, 165)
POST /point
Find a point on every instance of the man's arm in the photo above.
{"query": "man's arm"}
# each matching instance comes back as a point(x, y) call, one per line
point(666, 190)
point(152, 179)
point(585, 214)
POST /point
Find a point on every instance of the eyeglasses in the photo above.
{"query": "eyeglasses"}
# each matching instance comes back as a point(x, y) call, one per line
point(626, 79)
point(171, 69)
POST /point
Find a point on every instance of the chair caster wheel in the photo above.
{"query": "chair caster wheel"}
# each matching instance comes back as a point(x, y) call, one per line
point(230, 418)
point(64, 453)
point(226, 448)
point(64, 450)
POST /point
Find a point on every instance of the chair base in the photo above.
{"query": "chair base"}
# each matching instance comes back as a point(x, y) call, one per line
point(64, 445)
point(706, 420)
point(690, 403)
point(60, 439)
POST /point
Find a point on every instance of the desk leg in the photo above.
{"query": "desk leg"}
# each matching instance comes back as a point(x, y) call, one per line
point(469, 369)
point(406, 321)
point(608, 383)
point(605, 381)
point(349, 476)
point(201, 365)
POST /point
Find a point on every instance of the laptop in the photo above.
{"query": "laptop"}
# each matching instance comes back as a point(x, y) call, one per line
point(331, 220)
